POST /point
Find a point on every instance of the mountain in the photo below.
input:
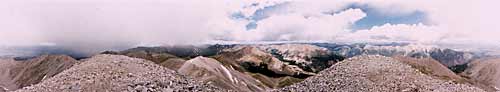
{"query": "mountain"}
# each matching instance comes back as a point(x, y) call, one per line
point(432, 68)
point(173, 64)
point(376, 74)
point(6, 78)
point(282, 64)
point(28, 52)
point(448, 57)
point(172, 57)
point(182, 51)
point(162, 58)
point(311, 58)
point(212, 71)
point(118, 73)
point(261, 65)
point(18, 74)
point(257, 67)
point(251, 58)
point(486, 72)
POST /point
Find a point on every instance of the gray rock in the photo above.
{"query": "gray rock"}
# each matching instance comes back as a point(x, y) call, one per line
point(101, 74)
point(375, 74)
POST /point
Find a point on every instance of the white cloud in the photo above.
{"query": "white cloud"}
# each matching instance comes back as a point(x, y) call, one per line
point(299, 27)
point(459, 21)
point(418, 33)
point(81, 24)
point(295, 27)
point(110, 23)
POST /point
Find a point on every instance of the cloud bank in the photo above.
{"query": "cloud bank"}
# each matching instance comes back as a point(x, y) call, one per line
point(94, 25)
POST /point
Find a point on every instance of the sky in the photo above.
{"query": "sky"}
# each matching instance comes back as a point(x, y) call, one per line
point(104, 24)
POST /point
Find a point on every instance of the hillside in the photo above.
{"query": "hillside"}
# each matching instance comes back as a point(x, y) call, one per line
point(18, 74)
point(118, 73)
point(376, 74)
point(485, 71)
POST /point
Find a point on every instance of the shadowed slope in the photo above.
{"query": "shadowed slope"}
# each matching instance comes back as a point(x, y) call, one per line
point(17, 74)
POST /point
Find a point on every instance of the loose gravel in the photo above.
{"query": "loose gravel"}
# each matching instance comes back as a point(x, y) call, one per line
point(114, 73)
point(375, 74)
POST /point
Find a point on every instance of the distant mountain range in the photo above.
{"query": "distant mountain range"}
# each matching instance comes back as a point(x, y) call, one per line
point(449, 57)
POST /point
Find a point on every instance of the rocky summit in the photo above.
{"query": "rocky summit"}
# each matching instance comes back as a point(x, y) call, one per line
point(376, 74)
point(105, 73)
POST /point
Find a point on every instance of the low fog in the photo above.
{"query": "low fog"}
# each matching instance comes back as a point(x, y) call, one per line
point(91, 26)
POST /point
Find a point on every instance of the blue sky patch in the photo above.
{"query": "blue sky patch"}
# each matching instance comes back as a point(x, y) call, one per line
point(374, 16)
point(259, 14)
point(377, 18)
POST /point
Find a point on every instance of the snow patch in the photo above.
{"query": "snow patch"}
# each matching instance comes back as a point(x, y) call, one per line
point(227, 73)
point(5, 89)
point(45, 76)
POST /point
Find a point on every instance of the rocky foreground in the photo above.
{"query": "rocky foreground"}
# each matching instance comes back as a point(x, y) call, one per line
point(376, 74)
point(113, 73)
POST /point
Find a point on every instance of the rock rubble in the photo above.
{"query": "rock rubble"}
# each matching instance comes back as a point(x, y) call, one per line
point(114, 73)
point(376, 74)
